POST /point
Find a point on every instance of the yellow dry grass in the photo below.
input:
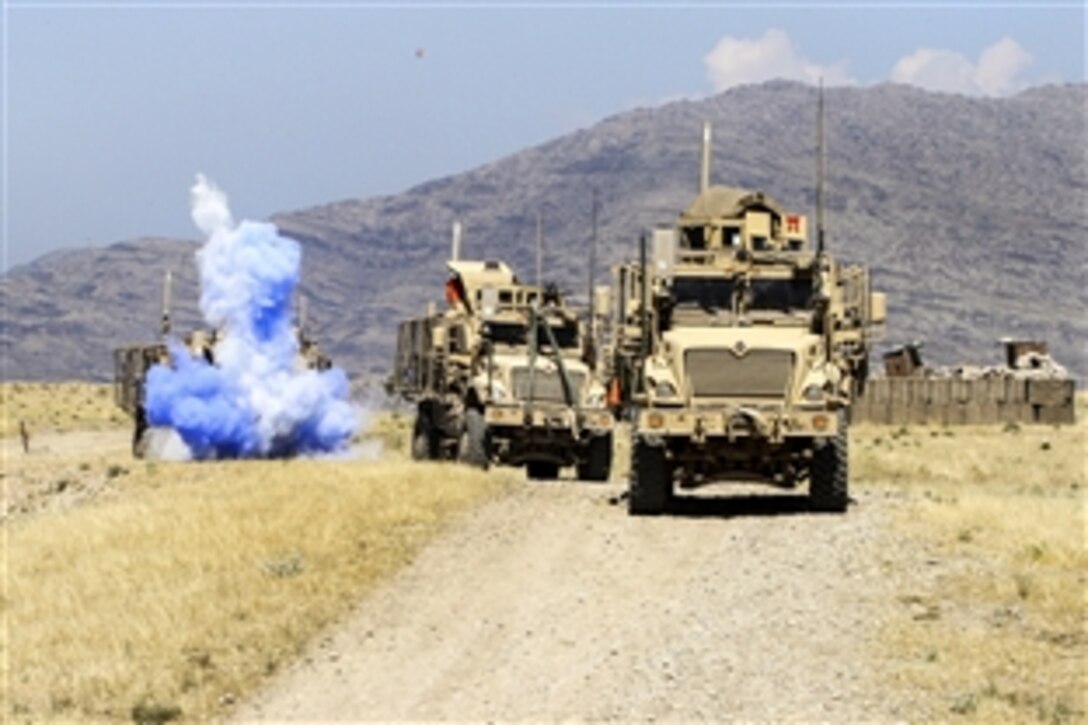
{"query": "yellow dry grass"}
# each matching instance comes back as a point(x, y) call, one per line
point(179, 596)
point(392, 431)
point(56, 407)
point(999, 635)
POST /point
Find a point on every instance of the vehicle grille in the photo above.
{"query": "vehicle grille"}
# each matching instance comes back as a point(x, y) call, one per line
point(547, 386)
point(721, 373)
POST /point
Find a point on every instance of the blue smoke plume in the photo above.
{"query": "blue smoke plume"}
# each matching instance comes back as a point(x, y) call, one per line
point(256, 400)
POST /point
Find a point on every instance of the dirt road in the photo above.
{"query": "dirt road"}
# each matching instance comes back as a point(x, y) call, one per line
point(554, 604)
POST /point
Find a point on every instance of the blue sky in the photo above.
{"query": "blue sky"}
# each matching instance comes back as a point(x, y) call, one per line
point(112, 108)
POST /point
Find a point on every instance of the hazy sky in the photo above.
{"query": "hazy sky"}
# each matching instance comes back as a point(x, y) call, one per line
point(110, 109)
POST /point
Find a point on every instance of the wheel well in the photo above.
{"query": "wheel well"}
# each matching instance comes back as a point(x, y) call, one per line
point(472, 400)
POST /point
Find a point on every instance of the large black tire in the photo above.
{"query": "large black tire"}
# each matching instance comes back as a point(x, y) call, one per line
point(829, 484)
point(473, 446)
point(542, 470)
point(423, 440)
point(138, 431)
point(598, 462)
point(650, 488)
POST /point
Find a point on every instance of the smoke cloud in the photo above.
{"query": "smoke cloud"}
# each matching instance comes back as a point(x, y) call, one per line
point(256, 400)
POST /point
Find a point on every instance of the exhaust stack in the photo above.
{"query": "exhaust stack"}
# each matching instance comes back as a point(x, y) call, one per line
point(302, 315)
point(167, 284)
point(591, 297)
point(704, 177)
point(455, 252)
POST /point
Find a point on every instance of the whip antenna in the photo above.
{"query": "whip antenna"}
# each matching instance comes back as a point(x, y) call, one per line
point(821, 153)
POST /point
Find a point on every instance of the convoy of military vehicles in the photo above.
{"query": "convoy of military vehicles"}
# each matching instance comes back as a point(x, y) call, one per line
point(504, 375)
point(736, 347)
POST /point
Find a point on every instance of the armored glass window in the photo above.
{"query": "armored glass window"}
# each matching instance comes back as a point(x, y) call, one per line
point(707, 293)
point(457, 339)
point(694, 237)
point(508, 333)
point(566, 335)
point(781, 295)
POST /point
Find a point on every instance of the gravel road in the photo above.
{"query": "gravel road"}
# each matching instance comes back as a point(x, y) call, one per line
point(553, 604)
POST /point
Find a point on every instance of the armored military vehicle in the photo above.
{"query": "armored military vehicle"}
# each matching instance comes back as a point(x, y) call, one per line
point(132, 362)
point(739, 349)
point(503, 375)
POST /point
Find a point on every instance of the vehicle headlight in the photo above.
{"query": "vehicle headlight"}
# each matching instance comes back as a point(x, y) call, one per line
point(665, 389)
point(813, 393)
point(595, 396)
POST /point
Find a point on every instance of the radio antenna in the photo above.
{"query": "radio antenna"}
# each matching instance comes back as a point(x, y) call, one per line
point(539, 250)
point(704, 167)
point(593, 273)
point(821, 153)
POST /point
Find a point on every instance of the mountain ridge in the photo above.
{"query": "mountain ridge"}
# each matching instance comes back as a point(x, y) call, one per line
point(969, 210)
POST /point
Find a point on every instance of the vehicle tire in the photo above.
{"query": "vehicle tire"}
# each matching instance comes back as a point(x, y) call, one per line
point(542, 470)
point(650, 487)
point(598, 462)
point(473, 447)
point(423, 440)
point(828, 488)
point(138, 431)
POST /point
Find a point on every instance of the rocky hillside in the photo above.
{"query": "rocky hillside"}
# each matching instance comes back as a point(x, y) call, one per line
point(970, 211)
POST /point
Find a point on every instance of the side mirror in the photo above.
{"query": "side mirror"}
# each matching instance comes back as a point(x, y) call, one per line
point(878, 308)
point(664, 252)
point(489, 302)
point(602, 300)
point(439, 338)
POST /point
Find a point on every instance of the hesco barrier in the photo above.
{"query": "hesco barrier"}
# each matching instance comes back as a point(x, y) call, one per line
point(952, 401)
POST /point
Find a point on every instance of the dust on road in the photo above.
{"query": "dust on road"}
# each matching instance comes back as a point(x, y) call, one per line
point(554, 604)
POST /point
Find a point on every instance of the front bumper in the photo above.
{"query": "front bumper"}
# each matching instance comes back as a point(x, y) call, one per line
point(548, 418)
point(519, 434)
point(732, 422)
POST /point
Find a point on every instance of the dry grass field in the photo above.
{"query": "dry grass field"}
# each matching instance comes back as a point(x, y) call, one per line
point(57, 407)
point(151, 590)
point(154, 590)
point(993, 624)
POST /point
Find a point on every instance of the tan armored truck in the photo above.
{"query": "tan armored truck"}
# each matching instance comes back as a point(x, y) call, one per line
point(131, 362)
point(501, 376)
point(739, 349)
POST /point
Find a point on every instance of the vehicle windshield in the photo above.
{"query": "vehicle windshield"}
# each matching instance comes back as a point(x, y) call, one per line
point(780, 295)
point(566, 335)
point(517, 333)
point(714, 300)
point(706, 293)
point(507, 333)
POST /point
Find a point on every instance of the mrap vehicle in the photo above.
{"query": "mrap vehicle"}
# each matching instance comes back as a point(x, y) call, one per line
point(739, 349)
point(131, 363)
point(502, 375)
